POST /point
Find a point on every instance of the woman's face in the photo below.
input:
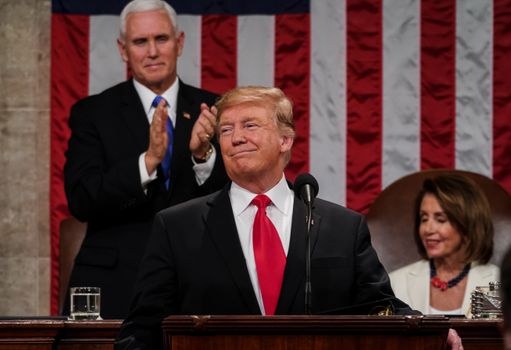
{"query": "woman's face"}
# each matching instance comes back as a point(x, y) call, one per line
point(439, 237)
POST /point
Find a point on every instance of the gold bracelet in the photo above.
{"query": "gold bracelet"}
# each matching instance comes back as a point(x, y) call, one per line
point(206, 155)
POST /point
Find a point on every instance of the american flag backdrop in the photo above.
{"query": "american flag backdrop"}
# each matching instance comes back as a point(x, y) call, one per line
point(381, 88)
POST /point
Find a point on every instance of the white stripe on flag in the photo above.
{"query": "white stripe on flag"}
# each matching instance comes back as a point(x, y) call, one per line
point(328, 98)
point(106, 67)
point(474, 130)
point(401, 89)
point(189, 64)
point(256, 50)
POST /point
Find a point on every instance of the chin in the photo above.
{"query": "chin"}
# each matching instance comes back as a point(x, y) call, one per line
point(435, 255)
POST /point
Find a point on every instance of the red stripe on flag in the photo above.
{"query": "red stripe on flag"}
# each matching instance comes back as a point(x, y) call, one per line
point(219, 51)
point(292, 55)
point(438, 83)
point(501, 93)
point(364, 103)
point(69, 82)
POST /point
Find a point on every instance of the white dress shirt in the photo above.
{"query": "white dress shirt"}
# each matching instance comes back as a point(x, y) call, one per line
point(202, 170)
point(280, 212)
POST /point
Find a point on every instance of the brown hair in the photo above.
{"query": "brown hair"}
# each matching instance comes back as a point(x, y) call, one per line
point(467, 209)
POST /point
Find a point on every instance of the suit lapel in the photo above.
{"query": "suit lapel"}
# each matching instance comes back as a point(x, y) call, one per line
point(187, 112)
point(417, 281)
point(294, 273)
point(133, 114)
point(222, 230)
point(186, 105)
point(479, 275)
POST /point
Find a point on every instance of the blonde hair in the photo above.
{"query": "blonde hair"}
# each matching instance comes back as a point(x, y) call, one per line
point(270, 98)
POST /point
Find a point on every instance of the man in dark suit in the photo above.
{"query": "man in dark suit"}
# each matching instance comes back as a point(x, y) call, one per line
point(204, 255)
point(117, 172)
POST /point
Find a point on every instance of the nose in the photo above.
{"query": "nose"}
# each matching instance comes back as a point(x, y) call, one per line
point(153, 49)
point(428, 226)
point(238, 136)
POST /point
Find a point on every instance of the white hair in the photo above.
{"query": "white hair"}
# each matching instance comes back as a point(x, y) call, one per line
point(144, 6)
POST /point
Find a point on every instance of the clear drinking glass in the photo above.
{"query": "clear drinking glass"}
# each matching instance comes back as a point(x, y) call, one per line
point(85, 303)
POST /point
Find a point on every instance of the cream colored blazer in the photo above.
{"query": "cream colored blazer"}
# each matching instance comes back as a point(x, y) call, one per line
point(411, 283)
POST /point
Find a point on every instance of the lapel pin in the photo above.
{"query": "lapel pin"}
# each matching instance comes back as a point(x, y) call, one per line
point(187, 116)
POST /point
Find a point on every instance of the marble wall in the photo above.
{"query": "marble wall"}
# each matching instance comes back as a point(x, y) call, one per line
point(24, 157)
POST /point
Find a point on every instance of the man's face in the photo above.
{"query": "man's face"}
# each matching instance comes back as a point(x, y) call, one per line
point(253, 148)
point(151, 48)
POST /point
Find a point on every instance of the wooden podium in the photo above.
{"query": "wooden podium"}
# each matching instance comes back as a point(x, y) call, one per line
point(301, 332)
point(305, 332)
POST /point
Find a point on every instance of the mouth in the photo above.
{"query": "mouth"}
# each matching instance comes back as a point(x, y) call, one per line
point(431, 243)
point(241, 153)
point(153, 66)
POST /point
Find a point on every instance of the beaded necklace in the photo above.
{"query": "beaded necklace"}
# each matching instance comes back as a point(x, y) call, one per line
point(442, 285)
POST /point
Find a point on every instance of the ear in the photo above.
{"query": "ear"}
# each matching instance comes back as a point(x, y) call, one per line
point(122, 50)
point(180, 43)
point(286, 142)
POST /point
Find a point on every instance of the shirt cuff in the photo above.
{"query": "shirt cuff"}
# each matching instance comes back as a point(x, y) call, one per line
point(145, 178)
point(203, 170)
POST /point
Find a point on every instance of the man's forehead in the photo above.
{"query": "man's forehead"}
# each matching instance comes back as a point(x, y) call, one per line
point(245, 111)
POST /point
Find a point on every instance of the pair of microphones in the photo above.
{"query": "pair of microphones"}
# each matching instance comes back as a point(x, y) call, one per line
point(307, 189)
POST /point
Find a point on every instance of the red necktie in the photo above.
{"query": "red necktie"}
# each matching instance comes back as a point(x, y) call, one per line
point(270, 258)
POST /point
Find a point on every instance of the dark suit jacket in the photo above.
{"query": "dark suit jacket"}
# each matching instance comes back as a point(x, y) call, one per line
point(102, 181)
point(194, 264)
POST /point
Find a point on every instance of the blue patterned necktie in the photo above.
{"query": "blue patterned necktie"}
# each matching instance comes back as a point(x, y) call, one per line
point(165, 163)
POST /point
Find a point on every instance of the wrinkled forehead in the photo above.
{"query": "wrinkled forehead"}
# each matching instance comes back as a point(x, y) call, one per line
point(244, 111)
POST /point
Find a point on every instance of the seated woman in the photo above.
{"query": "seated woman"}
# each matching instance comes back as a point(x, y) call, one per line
point(454, 235)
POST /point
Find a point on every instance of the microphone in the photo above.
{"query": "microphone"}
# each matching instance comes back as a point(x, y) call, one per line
point(307, 188)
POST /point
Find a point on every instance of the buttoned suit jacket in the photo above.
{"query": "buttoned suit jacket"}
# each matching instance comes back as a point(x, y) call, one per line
point(195, 265)
point(103, 185)
point(411, 283)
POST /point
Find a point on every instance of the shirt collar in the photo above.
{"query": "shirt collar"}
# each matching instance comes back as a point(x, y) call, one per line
point(241, 198)
point(147, 96)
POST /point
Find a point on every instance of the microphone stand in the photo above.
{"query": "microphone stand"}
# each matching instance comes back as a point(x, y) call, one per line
point(307, 187)
point(308, 288)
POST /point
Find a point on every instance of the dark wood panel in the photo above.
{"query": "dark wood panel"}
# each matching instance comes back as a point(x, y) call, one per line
point(28, 334)
point(479, 334)
point(305, 332)
point(249, 332)
point(88, 335)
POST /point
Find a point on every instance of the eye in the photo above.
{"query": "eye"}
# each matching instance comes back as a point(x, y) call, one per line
point(251, 125)
point(139, 42)
point(162, 38)
point(442, 219)
point(225, 130)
